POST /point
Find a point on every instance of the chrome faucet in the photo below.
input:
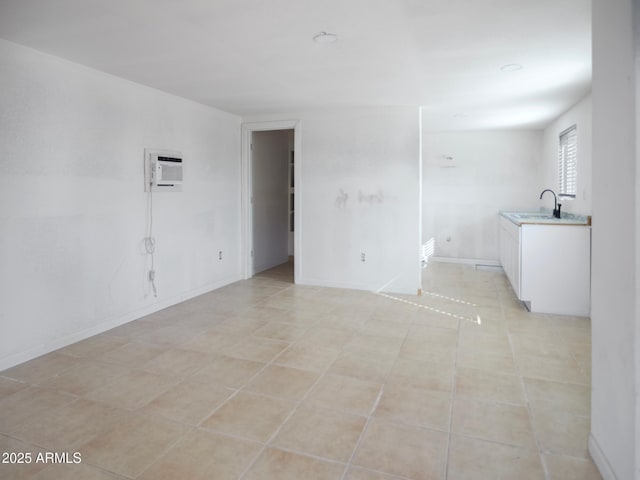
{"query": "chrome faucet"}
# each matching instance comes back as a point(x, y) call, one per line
point(556, 206)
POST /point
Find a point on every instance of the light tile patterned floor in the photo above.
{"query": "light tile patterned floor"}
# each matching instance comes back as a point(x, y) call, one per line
point(265, 380)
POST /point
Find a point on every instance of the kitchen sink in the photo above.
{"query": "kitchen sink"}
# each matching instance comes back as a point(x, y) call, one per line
point(532, 215)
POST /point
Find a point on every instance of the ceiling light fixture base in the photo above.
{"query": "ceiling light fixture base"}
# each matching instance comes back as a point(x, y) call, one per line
point(511, 67)
point(324, 37)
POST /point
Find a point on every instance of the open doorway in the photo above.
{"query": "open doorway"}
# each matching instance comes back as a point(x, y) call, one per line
point(271, 213)
point(273, 194)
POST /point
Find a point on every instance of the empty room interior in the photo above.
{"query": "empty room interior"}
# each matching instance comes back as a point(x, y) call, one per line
point(351, 240)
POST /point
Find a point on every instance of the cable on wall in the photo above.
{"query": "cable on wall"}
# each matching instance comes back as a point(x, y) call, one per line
point(150, 243)
point(163, 172)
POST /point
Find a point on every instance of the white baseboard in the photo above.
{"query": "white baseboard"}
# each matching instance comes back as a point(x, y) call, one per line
point(466, 261)
point(352, 286)
point(600, 459)
point(109, 323)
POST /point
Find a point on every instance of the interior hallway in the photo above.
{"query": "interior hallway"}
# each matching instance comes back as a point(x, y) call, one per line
point(266, 380)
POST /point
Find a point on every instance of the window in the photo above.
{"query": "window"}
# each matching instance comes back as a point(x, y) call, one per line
point(567, 160)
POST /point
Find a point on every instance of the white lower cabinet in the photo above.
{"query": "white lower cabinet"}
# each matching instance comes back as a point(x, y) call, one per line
point(549, 266)
point(510, 252)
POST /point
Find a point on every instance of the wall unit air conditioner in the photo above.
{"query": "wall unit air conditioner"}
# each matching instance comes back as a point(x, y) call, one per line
point(163, 171)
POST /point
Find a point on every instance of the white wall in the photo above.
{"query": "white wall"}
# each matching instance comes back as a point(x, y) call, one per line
point(636, 348)
point(270, 177)
point(468, 177)
point(579, 115)
point(614, 318)
point(73, 209)
point(359, 193)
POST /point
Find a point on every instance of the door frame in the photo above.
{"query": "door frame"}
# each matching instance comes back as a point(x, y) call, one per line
point(246, 256)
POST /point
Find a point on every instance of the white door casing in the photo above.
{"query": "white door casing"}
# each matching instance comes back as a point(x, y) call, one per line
point(246, 256)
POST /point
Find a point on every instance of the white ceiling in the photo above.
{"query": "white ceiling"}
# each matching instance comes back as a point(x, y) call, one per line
point(258, 56)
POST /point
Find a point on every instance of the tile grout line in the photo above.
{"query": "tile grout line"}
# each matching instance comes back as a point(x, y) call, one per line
point(213, 411)
point(297, 405)
point(179, 439)
point(295, 409)
point(374, 407)
point(575, 359)
point(452, 401)
point(528, 405)
point(363, 432)
point(448, 431)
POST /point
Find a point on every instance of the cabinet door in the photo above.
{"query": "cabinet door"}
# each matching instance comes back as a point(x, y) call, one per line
point(510, 252)
point(556, 269)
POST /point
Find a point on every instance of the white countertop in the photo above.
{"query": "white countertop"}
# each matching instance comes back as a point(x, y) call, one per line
point(545, 217)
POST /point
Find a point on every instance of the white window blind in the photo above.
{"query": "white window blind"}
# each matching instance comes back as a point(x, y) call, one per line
point(567, 162)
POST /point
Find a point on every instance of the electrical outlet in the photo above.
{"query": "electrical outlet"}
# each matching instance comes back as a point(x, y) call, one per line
point(220, 255)
point(363, 257)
